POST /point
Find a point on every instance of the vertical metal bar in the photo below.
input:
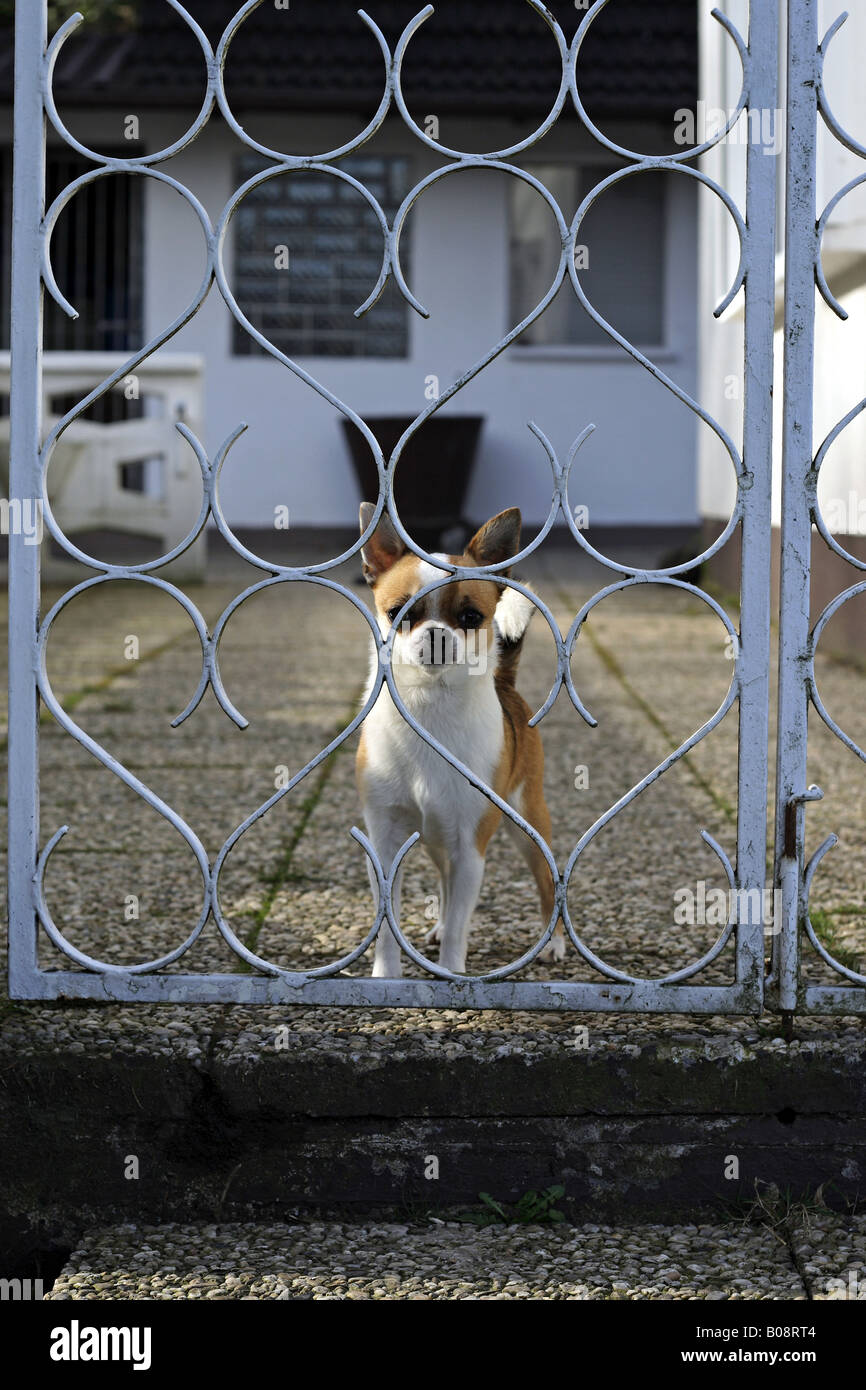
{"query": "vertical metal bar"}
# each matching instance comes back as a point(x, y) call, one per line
point(801, 247)
point(6, 258)
point(85, 275)
point(59, 332)
point(101, 237)
point(31, 24)
point(757, 513)
point(134, 330)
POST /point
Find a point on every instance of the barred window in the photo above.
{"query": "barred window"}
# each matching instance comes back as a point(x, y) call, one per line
point(308, 250)
point(97, 256)
point(622, 261)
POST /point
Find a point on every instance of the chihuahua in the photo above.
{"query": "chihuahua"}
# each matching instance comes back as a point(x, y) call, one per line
point(454, 659)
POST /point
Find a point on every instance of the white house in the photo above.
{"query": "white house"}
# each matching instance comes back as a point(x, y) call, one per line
point(840, 347)
point(479, 248)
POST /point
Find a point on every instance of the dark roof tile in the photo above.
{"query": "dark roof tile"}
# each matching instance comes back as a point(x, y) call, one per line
point(489, 55)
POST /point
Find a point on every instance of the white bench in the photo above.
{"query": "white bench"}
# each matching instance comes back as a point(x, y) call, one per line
point(88, 487)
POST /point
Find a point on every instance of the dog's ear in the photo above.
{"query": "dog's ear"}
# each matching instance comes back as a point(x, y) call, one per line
point(382, 549)
point(498, 539)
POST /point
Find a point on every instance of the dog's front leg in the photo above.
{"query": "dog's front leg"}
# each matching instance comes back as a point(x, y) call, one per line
point(435, 932)
point(387, 835)
point(465, 876)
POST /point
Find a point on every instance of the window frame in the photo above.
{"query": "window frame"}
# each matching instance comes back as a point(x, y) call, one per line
point(665, 350)
point(256, 353)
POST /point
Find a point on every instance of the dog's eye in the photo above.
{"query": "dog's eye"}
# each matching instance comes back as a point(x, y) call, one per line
point(392, 612)
point(470, 617)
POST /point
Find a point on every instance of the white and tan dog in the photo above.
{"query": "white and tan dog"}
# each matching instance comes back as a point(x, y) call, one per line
point(454, 659)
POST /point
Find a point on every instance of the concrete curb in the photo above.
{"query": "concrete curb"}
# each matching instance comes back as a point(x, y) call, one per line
point(637, 1127)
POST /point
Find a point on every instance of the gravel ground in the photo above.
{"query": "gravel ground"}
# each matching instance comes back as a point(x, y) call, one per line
point(652, 667)
point(241, 1033)
point(831, 1251)
point(446, 1261)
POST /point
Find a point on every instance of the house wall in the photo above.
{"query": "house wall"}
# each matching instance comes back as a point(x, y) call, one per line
point(840, 347)
point(721, 341)
point(638, 469)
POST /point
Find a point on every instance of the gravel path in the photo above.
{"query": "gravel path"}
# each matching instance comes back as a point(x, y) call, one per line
point(831, 1251)
point(445, 1261)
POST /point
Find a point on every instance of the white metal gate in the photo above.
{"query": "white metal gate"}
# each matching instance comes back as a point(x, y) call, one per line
point(31, 845)
point(805, 225)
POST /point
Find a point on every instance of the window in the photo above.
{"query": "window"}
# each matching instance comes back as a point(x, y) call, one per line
point(96, 252)
point(333, 254)
point(624, 239)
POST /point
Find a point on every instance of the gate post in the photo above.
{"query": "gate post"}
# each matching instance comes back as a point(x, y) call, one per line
point(801, 251)
point(25, 485)
point(758, 461)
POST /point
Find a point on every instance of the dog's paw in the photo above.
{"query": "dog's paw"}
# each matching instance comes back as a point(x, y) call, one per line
point(456, 965)
point(435, 933)
point(555, 948)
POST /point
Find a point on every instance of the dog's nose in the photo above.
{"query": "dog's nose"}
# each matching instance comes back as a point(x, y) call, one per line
point(437, 646)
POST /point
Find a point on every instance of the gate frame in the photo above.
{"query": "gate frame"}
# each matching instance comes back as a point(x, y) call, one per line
point(786, 989)
point(745, 995)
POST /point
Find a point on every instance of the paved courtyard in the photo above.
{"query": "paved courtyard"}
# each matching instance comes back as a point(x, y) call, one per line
point(651, 666)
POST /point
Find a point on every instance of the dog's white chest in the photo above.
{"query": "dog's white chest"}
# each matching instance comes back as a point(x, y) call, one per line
point(467, 721)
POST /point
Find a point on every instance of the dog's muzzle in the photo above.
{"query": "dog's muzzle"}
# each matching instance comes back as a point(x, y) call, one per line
point(436, 646)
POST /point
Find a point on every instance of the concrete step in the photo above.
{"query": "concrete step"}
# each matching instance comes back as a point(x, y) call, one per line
point(656, 1122)
point(449, 1261)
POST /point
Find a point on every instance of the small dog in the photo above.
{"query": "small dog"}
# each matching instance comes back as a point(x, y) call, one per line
point(455, 660)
